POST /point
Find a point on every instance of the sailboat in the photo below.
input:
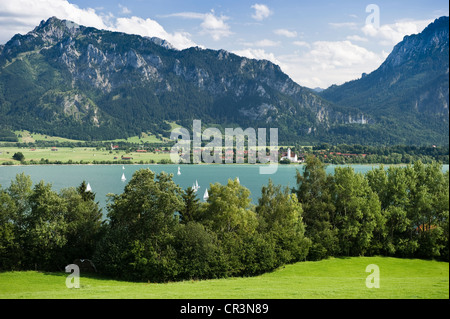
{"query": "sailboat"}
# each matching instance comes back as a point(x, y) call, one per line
point(123, 177)
point(238, 180)
point(88, 188)
point(195, 186)
point(179, 171)
point(123, 167)
point(206, 195)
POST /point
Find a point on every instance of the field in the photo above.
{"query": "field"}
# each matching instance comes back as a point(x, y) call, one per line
point(335, 278)
point(76, 154)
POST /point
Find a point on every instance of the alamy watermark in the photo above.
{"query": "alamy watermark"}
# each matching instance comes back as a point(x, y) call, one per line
point(373, 18)
point(187, 150)
point(73, 280)
point(373, 280)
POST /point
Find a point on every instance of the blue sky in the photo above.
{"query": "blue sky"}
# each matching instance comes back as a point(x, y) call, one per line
point(317, 43)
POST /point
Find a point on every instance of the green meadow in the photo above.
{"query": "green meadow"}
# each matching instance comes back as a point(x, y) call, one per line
point(334, 278)
point(77, 154)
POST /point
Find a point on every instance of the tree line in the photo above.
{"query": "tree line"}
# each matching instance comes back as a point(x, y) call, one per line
point(155, 231)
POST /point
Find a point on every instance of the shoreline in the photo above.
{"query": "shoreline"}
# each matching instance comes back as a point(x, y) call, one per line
point(205, 164)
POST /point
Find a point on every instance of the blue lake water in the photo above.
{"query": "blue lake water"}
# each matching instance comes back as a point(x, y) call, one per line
point(106, 179)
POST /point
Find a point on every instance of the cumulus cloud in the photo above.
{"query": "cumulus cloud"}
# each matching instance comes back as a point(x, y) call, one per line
point(258, 54)
point(391, 34)
point(212, 25)
point(330, 62)
point(215, 26)
point(261, 12)
point(151, 28)
point(22, 16)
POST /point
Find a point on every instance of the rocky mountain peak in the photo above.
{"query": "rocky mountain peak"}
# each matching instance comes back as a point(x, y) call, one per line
point(434, 37)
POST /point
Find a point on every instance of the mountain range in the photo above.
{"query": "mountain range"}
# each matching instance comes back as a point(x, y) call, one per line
point(79, 82)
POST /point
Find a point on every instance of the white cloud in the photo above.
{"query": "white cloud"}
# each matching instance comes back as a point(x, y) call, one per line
point(124, 9)
point(263, 43)
point(258, 54)
point(391, 34)
point(321, 63)
point(212, 25)
point(151, 28)
point(215, 26)
point(357, 38)
point(22, 16)
point(286, 33)
point(261, 12)
point(330, 62)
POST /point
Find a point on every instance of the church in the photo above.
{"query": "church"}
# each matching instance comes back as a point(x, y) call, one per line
point(293, 158)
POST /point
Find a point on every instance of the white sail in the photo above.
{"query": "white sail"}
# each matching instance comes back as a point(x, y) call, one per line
point(238, 180)
point(123, 178)
point(179, 171)
point(194, 188)
point(196, 185)
point(123, 167)
point(88, 188)
point(206, 195)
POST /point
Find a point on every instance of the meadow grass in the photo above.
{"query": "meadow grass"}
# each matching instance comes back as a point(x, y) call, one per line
point(335, 278)
point(77, 154)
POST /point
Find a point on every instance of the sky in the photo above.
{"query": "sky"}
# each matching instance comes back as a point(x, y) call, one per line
point(317, 43)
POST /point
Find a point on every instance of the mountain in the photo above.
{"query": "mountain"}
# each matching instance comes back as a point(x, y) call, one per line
point(407, 97)
point(79, 82)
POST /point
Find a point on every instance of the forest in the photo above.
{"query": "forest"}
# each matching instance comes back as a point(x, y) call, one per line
point(157, 232)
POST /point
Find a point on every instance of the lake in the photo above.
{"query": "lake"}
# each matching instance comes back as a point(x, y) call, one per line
point(106, 179)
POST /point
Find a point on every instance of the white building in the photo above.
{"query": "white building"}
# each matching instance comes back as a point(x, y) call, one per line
point(293, 158)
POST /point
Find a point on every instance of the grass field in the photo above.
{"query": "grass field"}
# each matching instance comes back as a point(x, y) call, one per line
point(336, 278)
point(77, 154)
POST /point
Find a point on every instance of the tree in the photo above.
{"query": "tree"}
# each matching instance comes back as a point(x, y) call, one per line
point(8, 232)
point(429, 207)
point(19, 156)
point(199, 255)
point(229, 209)
point(142, 221)
point(313, 192)
point(46, 229)
point(190, 211)
point(229, 213)
point(280, 215)
point(84, 218)
point(358, 211)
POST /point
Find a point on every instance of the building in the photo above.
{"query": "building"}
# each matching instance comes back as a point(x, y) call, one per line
point(293, 158)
